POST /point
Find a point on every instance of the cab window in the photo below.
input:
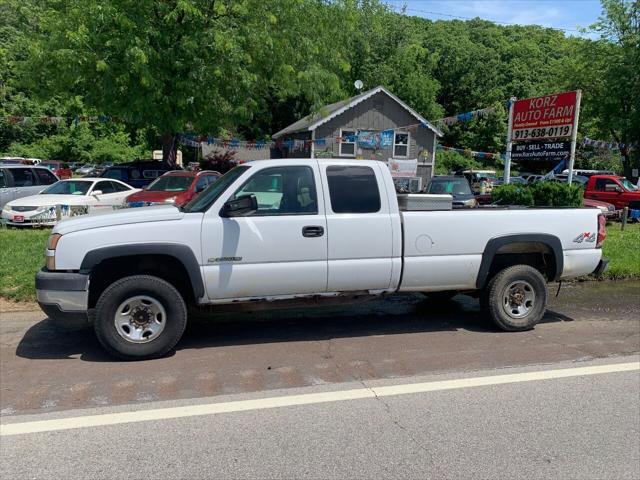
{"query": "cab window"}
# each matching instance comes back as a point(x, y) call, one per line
point(23, 177)
point(601, 184)
point(353, 189)
point(45, 176)
point(282, 191)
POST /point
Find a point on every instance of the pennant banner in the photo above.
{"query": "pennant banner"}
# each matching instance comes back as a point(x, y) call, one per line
point(467, 116)
point(470, 153)
point(15, 119)
point(588, 142)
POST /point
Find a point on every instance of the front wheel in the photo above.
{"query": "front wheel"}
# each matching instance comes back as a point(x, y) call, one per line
point(516, 298)
point(140, 317)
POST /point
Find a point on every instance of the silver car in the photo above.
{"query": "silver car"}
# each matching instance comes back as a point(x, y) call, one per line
point(17, 181)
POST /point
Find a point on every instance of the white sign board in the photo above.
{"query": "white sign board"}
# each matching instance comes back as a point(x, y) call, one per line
point(403, 168)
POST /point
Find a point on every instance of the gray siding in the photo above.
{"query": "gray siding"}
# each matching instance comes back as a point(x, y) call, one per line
point(377, 113)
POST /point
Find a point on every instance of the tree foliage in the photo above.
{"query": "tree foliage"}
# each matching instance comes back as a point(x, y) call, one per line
point(251, 67)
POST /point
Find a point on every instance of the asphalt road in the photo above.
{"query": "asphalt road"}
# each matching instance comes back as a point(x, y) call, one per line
point(579, 426)
point(565, 428)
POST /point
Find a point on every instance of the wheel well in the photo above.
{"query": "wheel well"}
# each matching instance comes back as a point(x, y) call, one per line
point(538, 255)
point(166, 267)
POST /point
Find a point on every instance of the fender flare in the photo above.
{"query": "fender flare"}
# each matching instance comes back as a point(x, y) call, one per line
point(496, 243)
point(182, 253)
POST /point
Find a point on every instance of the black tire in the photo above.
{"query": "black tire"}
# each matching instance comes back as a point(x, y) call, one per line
point(120, 291)
point(528, 289)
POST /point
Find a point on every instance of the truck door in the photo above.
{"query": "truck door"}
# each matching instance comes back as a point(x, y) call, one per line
point(359, 227)
point(279, 250)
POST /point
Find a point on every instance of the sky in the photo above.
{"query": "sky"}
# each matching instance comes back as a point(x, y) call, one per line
point(564, 14)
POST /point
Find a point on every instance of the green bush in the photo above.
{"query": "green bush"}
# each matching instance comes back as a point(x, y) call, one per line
point(539, 194)
point(556, 194)
point(512, 195)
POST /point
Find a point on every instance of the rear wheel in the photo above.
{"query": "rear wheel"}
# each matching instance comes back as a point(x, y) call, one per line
point(516, 298)
point(140, 317)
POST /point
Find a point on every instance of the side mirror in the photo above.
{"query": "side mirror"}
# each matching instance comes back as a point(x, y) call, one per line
point(95, 193)
point(240, 207)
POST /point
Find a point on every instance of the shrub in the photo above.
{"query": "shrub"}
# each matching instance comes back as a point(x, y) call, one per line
point(557, 194)
point(540, 194)
point(512, 195)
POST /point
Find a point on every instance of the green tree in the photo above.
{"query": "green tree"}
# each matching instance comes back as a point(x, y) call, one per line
point(617, 107)
point(174, 65)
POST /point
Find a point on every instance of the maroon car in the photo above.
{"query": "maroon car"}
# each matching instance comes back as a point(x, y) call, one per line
point(177, 187)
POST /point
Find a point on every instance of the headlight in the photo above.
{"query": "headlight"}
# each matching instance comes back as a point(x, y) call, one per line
point(171, 200)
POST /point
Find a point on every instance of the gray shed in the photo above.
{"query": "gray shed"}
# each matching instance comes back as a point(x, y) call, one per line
point(335, 131)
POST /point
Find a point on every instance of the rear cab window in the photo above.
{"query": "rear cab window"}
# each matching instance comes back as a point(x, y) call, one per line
point(353, 189)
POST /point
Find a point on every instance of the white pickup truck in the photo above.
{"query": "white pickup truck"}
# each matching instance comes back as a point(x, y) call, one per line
point(277, 230)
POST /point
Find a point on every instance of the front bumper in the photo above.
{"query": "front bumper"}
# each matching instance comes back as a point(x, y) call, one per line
point(69, 292)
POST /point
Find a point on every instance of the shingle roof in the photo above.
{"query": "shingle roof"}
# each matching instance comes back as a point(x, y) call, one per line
point(314, 120)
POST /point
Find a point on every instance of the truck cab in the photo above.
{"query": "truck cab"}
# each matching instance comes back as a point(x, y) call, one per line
point(613, 189)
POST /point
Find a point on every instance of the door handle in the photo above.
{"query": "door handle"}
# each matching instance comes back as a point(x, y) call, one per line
point(312, 231)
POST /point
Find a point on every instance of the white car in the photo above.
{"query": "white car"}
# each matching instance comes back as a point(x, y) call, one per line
point(280, 231)
point(92, 193)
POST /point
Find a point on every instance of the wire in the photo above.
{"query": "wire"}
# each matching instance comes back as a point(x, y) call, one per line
point(415, 10)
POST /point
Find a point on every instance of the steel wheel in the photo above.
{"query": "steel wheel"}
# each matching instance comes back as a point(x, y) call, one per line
point(140, 319)
point(518, 299)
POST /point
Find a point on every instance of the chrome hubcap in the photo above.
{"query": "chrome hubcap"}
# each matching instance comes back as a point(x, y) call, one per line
point(140, 319)
point(518, 299)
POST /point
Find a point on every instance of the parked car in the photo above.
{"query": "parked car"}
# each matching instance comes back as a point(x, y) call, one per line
point(613, 189)
point(277, 231)
point(85, 169)
point(177, 187)
point(17, 181)
point(40, 209)
point(138, 174)
point(534, 178)
point(61, 169)
point(456, 186)
point(579, 179)
point(607, 209)
point(512, 180)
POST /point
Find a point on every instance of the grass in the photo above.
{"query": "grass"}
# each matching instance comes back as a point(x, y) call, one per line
point(22, 255)
point(622, 248)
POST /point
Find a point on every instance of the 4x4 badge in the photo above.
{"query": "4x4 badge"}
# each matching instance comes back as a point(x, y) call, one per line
point(585, 237)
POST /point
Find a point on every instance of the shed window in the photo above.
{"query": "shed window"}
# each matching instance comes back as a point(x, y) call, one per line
point(400, 145)
point(347, 143)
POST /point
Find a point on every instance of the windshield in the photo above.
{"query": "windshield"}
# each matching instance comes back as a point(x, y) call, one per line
point(628, 185)
point(68, 188)
point(170, 184)
point(213, 191)
point(451, 187)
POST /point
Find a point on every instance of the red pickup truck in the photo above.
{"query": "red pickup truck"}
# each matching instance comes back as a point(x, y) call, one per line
point(613, 189)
